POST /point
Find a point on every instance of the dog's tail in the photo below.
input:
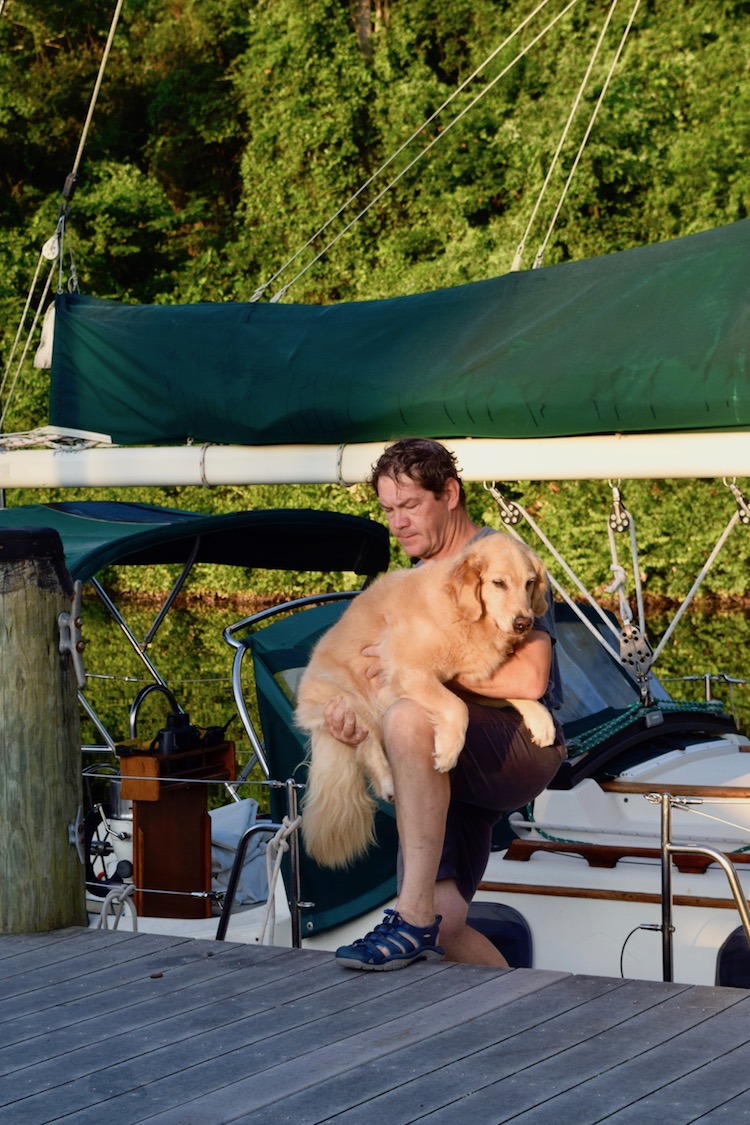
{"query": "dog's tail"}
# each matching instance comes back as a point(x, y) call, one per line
point(338, 813)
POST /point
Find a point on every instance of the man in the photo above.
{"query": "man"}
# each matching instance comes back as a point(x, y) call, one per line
point(445, 821)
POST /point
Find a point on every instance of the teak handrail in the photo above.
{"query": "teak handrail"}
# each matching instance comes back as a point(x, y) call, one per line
point(608, 855)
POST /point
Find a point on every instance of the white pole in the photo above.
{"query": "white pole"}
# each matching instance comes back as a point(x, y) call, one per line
point(644, 456)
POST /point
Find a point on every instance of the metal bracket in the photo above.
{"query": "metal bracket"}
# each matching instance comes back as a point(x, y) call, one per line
point(619, 518)
point(635, 650)
point(69, 625)
point(75, 834)
point(742, 505)
point(510, 513)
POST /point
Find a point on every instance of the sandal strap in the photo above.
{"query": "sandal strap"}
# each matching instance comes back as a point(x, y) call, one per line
point(395, 936)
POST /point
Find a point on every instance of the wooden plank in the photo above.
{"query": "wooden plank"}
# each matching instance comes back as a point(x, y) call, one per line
point(370, 1031)
point(78, 968)
point(176, 1073)
point(499, 1045)
point(537, 1088)
point(389, 1085)
point(143, 771)
point(609, 855)
point(201, 984)
point(140, 776)
point(241, 1061)
point(297, 986)
point(707, 792)
point(551, 890)
point(697, 1071)
point(728, 1114)
point(170, 1031)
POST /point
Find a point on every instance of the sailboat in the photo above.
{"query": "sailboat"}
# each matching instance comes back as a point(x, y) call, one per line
point(629, 366)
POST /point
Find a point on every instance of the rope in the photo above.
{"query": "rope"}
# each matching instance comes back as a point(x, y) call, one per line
point(584, 142)
point(277, 296)
point(26, 347)
point(510, 515)
point(172, 780)
point(42, 256)
point(58, 237)
point(621, 520)
point(116, 901)
point(719, 820)
point(585, 742)
point(70, 182)
point(275, 851)
point(696, 585)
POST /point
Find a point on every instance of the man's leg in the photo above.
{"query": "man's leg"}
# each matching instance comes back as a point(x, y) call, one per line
point(461, 941)
point(421, 796)
point(499, 768)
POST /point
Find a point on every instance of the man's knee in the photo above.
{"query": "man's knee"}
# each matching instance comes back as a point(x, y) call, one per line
point(407, 730)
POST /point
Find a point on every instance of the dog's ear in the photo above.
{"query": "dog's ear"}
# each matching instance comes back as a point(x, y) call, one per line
point(539, 597)
point(464, 585)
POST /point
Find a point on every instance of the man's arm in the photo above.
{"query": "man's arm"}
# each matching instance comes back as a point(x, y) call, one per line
point(524, 676)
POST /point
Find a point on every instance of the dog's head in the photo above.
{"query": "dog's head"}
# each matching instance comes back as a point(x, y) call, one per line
point(500, 577)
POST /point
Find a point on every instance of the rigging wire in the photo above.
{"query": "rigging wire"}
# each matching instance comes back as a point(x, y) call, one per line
point(563, 136)
point(512, 513)
point(584, 141)
point(29, 296)
point(261, 289)
point(73, 174)
point(32, 330)
point(56, 242)
point(278, 295)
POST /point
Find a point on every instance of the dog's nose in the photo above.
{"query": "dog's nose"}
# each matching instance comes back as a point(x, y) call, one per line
point(522, 624)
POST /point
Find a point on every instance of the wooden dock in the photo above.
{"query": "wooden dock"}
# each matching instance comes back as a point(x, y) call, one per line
point(121, 1028)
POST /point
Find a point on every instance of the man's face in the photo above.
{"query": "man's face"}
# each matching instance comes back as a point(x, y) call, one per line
point(417, 519)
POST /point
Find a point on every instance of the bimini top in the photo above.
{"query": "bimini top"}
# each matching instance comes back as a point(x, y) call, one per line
point(99, 533)
point(652, 340)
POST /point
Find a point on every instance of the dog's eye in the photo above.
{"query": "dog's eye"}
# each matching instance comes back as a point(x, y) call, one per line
point(500, 583)
point(531, 584)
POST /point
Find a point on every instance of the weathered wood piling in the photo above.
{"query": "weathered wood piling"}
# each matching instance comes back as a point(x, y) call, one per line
point(41, 875)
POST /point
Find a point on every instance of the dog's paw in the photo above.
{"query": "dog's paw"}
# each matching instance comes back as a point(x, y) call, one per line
point(537, 720)
point(386, 790)
point(542, 730)
point(388, 793)
point(445, 760)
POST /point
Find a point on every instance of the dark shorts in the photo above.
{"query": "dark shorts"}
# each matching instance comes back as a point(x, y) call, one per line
point(500, 769)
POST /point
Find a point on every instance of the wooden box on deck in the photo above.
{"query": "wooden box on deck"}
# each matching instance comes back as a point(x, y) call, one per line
point(171, 826)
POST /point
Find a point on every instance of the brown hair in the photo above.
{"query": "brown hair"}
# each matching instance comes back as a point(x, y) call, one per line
point(426, 462)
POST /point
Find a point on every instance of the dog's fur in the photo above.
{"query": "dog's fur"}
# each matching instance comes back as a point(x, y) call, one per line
point(457, 616)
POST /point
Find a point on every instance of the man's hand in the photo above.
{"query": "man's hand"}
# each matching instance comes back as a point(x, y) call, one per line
point(376, 669)
point(342, 720)
point(342, 723)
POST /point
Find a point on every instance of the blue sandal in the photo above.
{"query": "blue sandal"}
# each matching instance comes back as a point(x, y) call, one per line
point(393, 944)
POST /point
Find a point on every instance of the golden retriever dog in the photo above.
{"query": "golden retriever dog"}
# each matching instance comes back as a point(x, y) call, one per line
point(449, 617)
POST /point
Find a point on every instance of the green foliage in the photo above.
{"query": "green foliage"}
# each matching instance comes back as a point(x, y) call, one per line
point(226, 133)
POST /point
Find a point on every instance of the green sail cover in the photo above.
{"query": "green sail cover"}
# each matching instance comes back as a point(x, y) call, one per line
point(653, 339)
